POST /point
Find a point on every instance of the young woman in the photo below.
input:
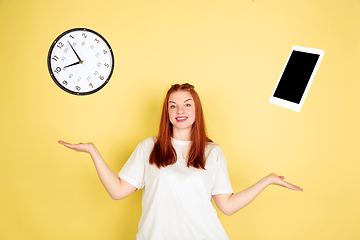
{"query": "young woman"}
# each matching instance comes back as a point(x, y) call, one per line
point(180, 171)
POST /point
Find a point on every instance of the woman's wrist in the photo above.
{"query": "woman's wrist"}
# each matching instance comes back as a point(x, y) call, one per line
point(268, 180)
point(274, 179)
point(93, 150)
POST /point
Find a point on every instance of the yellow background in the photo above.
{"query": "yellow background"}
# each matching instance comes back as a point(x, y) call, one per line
point(233, 52)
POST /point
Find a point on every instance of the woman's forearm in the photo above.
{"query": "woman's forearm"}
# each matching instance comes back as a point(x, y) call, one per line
point(241, 199)
point(231, 203)
point(116, 187)
point(110, 181)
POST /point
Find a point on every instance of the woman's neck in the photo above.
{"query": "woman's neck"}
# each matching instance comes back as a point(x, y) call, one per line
point(183, 135)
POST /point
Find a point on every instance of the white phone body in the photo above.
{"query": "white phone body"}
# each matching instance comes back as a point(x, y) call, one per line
point(296, 77)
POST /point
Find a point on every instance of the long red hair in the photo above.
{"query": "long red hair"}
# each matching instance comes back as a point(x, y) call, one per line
point(163, 153)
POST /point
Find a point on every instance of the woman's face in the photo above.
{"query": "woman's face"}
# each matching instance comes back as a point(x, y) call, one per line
point(181, 110)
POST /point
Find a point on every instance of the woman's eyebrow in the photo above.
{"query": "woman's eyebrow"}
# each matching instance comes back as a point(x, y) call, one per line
point(190, 99)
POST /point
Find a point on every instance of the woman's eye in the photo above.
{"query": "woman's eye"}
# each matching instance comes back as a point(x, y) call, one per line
point(172, 106)
point(188, 105)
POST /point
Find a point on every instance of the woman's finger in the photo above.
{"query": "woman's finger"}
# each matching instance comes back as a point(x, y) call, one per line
point(68, 145)
point(294, 187)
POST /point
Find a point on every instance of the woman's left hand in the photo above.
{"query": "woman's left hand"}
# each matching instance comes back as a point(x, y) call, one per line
point(279, 180)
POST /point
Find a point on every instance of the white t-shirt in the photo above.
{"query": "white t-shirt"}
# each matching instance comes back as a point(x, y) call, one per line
point(176, 200)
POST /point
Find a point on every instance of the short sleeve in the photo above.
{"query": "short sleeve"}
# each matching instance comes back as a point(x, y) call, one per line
point(133, 171)
point(222, 183)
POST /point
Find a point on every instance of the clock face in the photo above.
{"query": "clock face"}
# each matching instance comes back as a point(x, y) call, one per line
point(80, 61)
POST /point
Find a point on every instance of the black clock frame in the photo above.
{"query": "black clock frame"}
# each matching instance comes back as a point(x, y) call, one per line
point(58, 83)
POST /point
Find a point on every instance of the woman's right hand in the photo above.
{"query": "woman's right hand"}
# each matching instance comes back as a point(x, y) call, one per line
point(81, 147)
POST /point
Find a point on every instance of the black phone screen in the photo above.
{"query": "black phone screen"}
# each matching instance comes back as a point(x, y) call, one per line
point(296, 76)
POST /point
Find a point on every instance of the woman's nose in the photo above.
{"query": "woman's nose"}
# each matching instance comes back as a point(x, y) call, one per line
point(180, 110)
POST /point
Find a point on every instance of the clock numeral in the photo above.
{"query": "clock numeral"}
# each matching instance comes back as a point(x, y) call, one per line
point(91, 85)
point(65, 50)
point(63, 58)
point(74, 44)
point(83, 43)
point(97, 55)
point(88, 78)
point(55, 58)
point(84, 35)
point(60, 45)
point(99, 64)
point(96, 72)
point(65, 82)
point(78, 88)
point(92, 47)
point(71, 36)
point(96, 40)
point(58, 70)
point(79, 78)
point(106, 65)
point(101, 77)
point(70, 76)
point(105, 52)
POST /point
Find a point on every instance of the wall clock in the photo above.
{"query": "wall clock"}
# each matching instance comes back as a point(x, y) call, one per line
point(80, 61)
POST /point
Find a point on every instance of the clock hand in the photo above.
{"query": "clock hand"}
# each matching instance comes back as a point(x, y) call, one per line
point(79, 62)
point(75, 52)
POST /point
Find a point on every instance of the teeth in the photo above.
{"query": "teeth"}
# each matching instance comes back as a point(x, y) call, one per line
point(181, 118)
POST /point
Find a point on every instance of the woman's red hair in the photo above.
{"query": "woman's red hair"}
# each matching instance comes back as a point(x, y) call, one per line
point(163, 153)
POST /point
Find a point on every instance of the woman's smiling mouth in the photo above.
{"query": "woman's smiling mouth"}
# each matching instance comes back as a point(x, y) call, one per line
point(181, 119)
